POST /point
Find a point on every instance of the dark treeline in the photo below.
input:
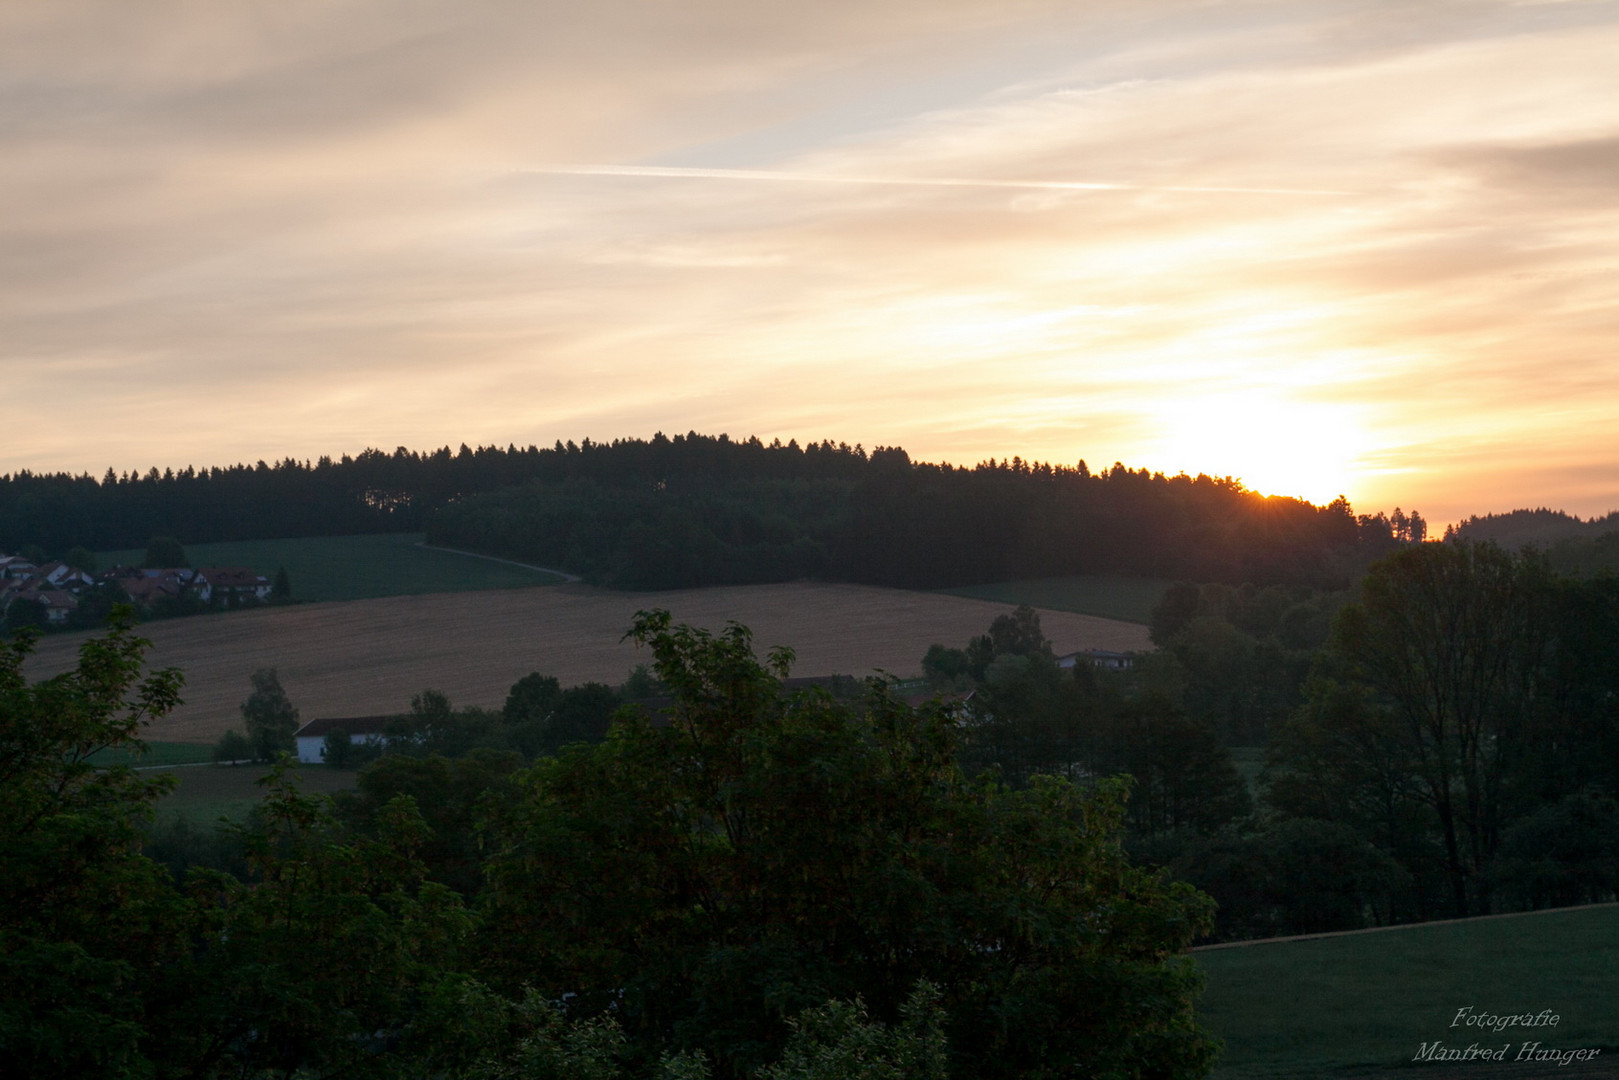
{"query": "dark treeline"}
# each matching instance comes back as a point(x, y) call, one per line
point(697, 510)
point(373, 492)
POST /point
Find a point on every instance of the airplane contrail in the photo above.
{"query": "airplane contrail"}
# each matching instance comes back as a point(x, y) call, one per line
point(675, 173)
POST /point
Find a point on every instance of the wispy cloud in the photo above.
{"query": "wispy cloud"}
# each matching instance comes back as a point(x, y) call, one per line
point(1172, 233)
point(690, 173)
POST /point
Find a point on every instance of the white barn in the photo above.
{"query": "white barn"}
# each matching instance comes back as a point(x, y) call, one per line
point(361, 730)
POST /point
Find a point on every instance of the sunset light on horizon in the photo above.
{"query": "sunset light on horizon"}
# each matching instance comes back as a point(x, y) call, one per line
point(1324, 248)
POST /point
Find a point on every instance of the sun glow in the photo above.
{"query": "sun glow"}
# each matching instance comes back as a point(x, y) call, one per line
point(1273, 444)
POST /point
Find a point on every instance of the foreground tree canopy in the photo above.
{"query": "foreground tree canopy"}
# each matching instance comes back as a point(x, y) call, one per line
point(748, 884)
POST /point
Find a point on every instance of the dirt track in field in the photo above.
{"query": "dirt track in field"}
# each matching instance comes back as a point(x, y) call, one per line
point(369, 656)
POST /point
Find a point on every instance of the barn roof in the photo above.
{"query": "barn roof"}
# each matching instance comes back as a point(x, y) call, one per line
point(353, 725)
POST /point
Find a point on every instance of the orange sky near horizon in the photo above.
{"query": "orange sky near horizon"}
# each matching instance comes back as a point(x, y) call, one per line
point(1328, 248)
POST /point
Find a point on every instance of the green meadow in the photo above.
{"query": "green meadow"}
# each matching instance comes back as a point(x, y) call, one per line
point(206, 793)
point(1351, 1003)
point(355, 567)
point(156, 754)
point(1129, 599)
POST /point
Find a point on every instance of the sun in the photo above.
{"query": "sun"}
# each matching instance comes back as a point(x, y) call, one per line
point(1273, 444)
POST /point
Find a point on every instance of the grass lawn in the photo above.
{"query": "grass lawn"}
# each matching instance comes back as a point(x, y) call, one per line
point(206, 793)
point(354, 567)
point(1352, 1003)
point(157, 753)
point(1130, 599)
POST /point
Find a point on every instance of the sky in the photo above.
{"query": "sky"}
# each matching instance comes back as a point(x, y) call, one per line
point(1368, 249)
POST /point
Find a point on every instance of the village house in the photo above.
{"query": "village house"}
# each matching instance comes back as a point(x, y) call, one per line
point(62, 576)
point(144, 591)
point(59, 604)
point(57, 587)
point(231, 583)
point(16, 567)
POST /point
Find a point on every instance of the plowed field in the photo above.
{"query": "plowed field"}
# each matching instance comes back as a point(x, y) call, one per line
point(369, 656)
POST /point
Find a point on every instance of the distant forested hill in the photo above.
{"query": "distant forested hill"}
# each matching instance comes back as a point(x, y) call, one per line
point(696, 510)
point(1534, 528)
point(1573, 546)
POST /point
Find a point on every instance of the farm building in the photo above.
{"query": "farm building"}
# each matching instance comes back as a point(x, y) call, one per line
point(362, 730)
point(1100, 658)
point(223, 583)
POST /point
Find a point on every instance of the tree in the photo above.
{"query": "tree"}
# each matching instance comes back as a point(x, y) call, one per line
point(531, 698)
point(86, 922)
point(641, 683)
point(1184, 778)
point(337, 749)
point(281, 587)
point(766, 853)
point(1450, 639)
point(232, 747)
point(838, 1041)
point(270, 717)
point(1565, 853)
point(81, 558)
point(1017, 634)
point(337, 944)
point(946, 668)
point(163, 552)
point(582, 714)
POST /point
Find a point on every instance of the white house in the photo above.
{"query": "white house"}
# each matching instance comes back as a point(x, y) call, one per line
point(225, 582)
point(62, 576)
point(1099, 658)
point(361, 730)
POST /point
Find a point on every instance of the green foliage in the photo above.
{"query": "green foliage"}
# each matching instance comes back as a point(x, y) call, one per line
point(1464, 694)
point(531, 699)
point(449, 794)
point(1241, 655)
point(84, 919)
point(1562, 854)
point(1184, 778)
point(1030, 717)
point(337, 749)
point(641, 683)
point(281, 587)
point(81, 558)
point(765, 854)
point(541, 717)
point(270, 717)
point(946, 668)
point(555, 1049)
point(162, 552)
point(838, 1041)
point(1292, 876)
point(1448, 639)
point(232, 747)
point(333, 951)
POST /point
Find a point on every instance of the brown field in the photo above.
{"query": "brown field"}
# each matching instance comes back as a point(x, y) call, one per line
point(369, 656)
